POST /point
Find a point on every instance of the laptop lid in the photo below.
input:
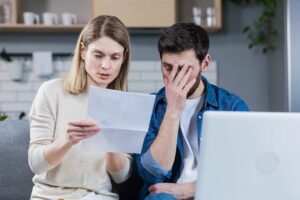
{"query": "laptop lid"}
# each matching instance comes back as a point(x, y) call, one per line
point(249, 156)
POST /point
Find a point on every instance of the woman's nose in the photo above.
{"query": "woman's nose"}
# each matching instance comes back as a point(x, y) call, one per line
point(105, 64)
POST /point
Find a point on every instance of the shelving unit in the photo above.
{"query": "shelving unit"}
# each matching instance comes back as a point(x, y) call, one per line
point(137, 13)
point(18, 27)
point(139, 16)
point(154, 13)
point(39, 28)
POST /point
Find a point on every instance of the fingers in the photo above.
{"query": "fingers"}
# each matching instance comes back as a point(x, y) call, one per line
point(181, 74)
point(185, 78)
point(179, 78)
point(162, 187)
point(82, 134)
point(75, 137)
point(154, 189)
point(85, 123)
point(188, 86)
point(79, 130)
point(72, 128)
point(174, 72)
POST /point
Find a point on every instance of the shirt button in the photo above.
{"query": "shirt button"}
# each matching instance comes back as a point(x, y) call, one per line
point(200, 117)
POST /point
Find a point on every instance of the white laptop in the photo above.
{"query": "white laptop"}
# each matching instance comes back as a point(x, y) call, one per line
point(249, 156)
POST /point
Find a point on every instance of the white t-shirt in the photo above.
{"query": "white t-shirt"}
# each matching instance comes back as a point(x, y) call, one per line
point(188, 125)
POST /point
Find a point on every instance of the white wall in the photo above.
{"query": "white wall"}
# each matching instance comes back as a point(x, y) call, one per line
point(17, 96)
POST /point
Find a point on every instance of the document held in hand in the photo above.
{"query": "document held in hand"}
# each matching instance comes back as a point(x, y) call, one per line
point(123, 117)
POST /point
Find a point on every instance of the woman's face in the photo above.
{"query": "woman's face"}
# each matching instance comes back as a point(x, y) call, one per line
point(103, 60)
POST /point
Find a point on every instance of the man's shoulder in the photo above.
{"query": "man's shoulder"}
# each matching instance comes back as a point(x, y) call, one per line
point(226, 99)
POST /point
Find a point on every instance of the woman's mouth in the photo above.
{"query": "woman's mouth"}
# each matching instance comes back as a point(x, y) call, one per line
point(103, 76)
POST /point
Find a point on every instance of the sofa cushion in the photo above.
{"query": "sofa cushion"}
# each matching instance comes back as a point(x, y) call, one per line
point(15, 174)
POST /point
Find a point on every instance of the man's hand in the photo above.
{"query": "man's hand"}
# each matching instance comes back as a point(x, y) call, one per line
point(179, 191)
point(177, 87)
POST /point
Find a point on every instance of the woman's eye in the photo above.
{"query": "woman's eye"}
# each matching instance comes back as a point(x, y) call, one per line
point(116, 57)
point(98, 55)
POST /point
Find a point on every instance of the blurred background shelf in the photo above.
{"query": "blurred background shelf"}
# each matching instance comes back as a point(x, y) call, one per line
point(21, 28)
point(138, 16)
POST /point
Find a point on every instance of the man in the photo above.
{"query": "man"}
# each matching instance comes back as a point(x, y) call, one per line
point(168, 160)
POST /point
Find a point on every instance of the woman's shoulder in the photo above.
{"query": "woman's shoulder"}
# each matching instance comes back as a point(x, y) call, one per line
point(53, 84)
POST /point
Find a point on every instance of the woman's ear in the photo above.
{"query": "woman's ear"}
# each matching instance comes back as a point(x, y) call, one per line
point(205, 63)
point(82, 51)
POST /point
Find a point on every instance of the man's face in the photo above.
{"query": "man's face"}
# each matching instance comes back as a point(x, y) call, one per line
point(187, 57)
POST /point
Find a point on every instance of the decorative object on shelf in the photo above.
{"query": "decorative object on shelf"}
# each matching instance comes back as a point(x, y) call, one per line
point(5, 12)
point(17, 70)
point(210, 16)
point(197, 15)
point(30, 18)
point(43, 64)
point(68, 18)
point(207, 13)
point(50, 18)
point(261, 33)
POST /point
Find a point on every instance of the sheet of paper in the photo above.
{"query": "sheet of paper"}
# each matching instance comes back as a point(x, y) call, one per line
point(124, 119)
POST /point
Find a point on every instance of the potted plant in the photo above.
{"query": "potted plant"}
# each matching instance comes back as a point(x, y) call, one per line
point(262, 32)
point(3, 116)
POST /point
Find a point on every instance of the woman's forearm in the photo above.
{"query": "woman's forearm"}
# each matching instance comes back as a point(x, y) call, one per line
point(115, 161)
point(55, 151)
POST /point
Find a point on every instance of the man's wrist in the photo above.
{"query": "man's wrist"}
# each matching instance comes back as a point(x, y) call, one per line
point(171, 114)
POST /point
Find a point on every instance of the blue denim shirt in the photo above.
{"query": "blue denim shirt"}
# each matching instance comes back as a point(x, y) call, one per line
point(149, 170)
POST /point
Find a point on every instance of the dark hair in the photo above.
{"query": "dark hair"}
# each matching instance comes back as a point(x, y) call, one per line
point(184, 36)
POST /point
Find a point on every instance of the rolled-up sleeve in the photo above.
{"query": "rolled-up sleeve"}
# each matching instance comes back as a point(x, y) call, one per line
point(42, 123)
point(149, 170)
point(150, 164)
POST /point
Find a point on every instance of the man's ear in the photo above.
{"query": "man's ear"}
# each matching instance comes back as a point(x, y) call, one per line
point(205, 63)
point(82, 51)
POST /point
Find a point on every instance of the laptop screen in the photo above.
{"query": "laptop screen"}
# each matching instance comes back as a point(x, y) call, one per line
point(249, 155)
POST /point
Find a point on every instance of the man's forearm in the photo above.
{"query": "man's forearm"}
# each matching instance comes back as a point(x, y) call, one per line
point(164, 146)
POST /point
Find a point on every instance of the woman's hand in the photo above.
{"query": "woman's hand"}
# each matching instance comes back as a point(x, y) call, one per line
point(76, 131)
point(177, 87)
point(80, 130)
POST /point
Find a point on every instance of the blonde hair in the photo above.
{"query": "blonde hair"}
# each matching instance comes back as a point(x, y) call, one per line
point(104, 25)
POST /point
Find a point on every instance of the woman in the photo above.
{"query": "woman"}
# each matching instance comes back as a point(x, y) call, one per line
point(63, 170)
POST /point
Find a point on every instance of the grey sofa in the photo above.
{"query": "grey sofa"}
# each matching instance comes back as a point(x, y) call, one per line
point(16, 176)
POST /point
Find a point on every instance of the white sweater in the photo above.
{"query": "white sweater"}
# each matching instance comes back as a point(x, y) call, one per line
point(80, 172)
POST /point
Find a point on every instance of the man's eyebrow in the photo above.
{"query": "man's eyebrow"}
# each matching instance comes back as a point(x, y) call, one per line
point(167, 64)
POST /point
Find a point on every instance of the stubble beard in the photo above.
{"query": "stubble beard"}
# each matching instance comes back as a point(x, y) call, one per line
point(195, 86)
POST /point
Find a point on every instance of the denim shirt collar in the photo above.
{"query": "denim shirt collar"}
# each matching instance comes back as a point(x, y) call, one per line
point(210, 96)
